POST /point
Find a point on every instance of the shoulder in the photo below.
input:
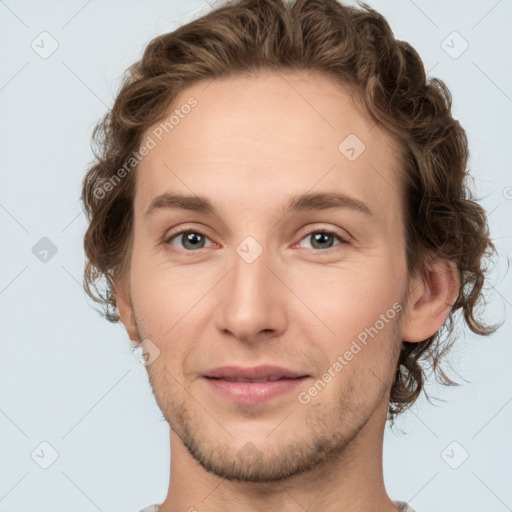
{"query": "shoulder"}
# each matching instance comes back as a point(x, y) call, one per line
point(404, 507)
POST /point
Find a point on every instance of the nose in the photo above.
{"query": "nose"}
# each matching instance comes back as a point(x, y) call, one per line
point(252, 301)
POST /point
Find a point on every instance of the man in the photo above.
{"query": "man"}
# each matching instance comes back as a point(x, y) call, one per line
point(280, 216)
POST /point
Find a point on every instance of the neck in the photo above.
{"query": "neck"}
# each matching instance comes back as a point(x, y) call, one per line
point(346, 481)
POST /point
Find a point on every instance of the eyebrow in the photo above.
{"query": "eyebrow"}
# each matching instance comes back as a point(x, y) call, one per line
point(304, 202)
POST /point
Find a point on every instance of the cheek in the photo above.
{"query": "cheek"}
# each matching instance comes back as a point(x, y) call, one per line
point(358, 306)
point(354, 294)
point(167, 297)
point(332, 305)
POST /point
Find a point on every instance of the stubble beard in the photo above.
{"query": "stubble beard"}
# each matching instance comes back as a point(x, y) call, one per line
point(322, 437)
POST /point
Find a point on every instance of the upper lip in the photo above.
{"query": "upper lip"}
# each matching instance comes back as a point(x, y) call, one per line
point(255, 372)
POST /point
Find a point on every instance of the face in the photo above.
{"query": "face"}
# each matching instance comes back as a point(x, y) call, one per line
point(314, 286)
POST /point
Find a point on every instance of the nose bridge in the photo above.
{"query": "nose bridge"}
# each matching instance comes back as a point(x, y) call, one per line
point(251, 297)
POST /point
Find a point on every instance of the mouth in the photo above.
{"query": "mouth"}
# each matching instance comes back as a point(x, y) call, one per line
point(272, 378)
point(251, 386)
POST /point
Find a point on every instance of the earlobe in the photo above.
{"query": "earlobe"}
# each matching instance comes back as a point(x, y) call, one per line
point(125, 309)
point(430, 301)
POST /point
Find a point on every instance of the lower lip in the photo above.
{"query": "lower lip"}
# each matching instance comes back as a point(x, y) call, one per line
point(249, 393)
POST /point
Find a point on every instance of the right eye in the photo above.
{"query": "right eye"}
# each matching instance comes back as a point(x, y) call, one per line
point(190, 240)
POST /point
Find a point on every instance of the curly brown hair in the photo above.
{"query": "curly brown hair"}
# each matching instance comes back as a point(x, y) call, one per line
point(353, 46)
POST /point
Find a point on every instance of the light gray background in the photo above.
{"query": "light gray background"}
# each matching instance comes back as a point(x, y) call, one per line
point(68, 377)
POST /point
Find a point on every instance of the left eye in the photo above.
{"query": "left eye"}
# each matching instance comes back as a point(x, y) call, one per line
point(321, 239)
point(194, 240)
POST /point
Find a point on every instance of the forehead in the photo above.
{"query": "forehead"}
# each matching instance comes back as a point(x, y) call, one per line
point(271, 134)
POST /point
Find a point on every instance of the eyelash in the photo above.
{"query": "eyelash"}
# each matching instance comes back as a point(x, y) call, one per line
point(343, 240)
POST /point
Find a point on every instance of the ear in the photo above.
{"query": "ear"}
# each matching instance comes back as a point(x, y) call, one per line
point(430, 300)
point(125, 309)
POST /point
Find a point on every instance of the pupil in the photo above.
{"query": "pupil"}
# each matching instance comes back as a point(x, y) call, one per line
point(321, 238)
point(192, 238)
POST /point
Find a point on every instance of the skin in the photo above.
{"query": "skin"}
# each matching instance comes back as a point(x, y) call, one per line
point(249, 145)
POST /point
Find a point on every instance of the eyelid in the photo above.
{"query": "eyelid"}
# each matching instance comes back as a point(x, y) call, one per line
point(344, 239)
point(327, 228)
point(181, 231)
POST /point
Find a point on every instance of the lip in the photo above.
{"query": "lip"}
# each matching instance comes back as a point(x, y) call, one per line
point(255, 372)
point(252, 393)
